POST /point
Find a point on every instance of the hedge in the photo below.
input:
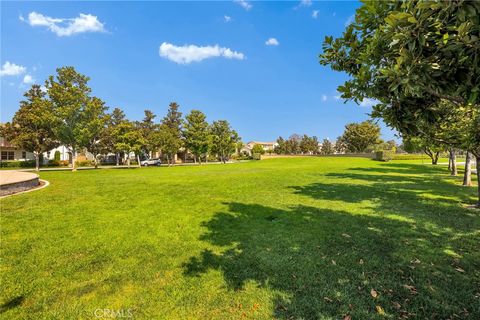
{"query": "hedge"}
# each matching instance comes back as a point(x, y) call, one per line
point(384, 155)
point(17, 164)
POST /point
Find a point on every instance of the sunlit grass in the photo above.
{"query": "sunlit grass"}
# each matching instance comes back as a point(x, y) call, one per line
point(298, 238)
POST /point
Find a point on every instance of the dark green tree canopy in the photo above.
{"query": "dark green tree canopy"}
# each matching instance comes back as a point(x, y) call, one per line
point(257, 148)
point(358, 137)
point(409, 55)
point(327, 147)
point(224, 139)
point(196, 133)
point(32, 126)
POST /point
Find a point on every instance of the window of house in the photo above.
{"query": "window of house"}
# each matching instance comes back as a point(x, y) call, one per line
point(8, 155)
point(24, 155)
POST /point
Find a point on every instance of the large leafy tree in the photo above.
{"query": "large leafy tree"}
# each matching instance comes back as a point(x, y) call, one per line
point(95, 119)
point(359, 137)
point(309, 145)
point(224, 139)
point(258, 149)
point(411, 57)
point(149, 130)
point(196, 133)
point(70, 96)
point(280, 147)
point(327, 147)
point(112, 132)
point(129, 140)
point(292, 145)
point(170, 135)
point(32, 126)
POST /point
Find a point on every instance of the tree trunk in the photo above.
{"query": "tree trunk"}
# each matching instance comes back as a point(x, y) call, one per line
point(453, 158)
point(117, 156)
point(95, 161)
point(431, 154)
point(37, 161)
point(450, 161)
point(128, 161)
point(74, 160)
point(138, 161)
point(467, 176)
point(478, 180)
point(435, 158)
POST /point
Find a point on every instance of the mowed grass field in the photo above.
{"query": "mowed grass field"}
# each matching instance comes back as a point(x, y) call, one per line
point(296, 238)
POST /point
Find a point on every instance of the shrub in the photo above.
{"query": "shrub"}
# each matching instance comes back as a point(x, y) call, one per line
point(384, 155)
point(17, 164)
point(64, 163)
point(244, 157)
point(86, 163)
point(258, 149)
point(409, 156)
point(54, 163)
point(256, 156)
point(212, 158)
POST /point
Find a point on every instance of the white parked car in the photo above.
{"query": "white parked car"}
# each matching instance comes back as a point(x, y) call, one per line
point(151, 162)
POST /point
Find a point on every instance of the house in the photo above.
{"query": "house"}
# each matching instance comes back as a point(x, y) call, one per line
point(267, 146)
point(66, 155)
point(11, 153)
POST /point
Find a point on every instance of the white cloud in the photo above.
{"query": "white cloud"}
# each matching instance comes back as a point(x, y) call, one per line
point(350, 20)
point(315, 14)
point(337, 97)
point(44, 89)
point(227, 18)
point(305, 3)
point(28, 79)
point(245, 4)
point(272, 42)
point(65, 27)
point(367, 102)
point(191, 53)
point(12, 69)
point(324, 97)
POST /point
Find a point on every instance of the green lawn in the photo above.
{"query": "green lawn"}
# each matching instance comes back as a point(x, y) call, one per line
point(298, 238)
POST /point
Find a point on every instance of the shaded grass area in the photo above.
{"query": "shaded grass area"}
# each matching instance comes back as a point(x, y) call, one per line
point(299, 238)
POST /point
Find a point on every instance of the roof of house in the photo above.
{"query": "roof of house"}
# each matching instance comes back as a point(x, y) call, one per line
point(5, 144)
point(260, 142)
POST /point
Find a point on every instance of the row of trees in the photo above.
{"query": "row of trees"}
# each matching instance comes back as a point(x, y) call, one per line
point(65, 113)
point(420, 61)
point(297, 144)
point(357, 138)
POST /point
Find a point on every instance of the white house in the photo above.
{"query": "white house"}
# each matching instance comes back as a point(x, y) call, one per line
point(12, 153)
point(267, 146)
point(65, 155)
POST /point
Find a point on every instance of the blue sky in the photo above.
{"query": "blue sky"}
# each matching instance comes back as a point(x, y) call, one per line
point(263, 77)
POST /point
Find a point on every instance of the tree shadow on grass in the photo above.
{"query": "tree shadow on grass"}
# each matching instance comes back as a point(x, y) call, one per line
point(421, 193)
point(324, 263)
point(13, 303)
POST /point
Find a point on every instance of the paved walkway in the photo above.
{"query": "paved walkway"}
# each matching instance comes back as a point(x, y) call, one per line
point(14, 176)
